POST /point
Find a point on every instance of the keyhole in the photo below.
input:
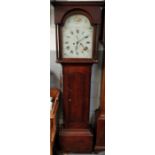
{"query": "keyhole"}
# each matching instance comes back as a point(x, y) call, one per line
point(69, 100)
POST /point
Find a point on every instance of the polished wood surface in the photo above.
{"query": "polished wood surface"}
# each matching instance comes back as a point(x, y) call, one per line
point(54, 93)
point(74, 3)
point(100, 119)
point(76, 135)
point(100, 115)
point(76, 140)
point(76, 95)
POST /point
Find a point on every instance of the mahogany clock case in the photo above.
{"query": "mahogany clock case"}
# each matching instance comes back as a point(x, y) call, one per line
point(76, 135)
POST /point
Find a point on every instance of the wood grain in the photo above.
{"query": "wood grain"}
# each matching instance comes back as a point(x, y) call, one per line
point(100, 118)
point(54, 93)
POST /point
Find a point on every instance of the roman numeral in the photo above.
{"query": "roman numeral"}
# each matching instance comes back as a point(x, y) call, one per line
point(67, 47)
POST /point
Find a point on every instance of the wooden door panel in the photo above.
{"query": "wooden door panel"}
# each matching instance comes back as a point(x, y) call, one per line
point(76, 96)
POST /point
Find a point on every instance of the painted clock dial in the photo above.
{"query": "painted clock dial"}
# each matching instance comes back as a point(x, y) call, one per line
point(77, 37)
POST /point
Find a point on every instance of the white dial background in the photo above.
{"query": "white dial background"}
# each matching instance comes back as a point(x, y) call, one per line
point(77, 37)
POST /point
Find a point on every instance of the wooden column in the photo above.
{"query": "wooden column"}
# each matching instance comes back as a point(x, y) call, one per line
point(100, 115)
point(54, 93)
point(100, 121)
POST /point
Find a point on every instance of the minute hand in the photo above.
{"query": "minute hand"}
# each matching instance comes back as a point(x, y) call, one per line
point(82, 38)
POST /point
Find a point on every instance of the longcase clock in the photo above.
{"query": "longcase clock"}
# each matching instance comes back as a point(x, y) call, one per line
point(77, 36)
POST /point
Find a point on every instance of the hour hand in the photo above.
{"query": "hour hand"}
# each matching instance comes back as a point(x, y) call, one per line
point(82, 45)
point(84, 48)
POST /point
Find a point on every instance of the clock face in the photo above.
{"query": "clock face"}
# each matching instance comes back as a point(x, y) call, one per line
point(77, 36)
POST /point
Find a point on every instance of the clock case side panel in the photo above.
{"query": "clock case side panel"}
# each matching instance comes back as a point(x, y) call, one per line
point(100, 114)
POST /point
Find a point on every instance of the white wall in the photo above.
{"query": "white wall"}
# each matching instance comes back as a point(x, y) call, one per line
point(55, 68)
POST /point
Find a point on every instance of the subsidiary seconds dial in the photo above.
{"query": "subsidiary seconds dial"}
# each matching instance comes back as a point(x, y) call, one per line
point(77, 37)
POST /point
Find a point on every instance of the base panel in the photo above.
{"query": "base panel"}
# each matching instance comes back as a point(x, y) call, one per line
point(100, 134)
point(99, 148)
point(76, 141)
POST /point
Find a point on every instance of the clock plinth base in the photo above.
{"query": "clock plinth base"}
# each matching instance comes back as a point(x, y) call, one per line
point(100, 136)
point(76, 140)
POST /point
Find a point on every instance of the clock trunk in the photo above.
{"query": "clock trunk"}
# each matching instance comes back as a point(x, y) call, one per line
point(76, 135)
